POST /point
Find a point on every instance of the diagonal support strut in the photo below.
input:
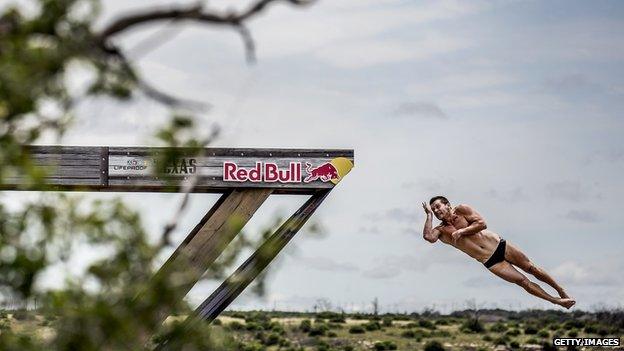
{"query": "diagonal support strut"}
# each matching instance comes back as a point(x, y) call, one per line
point(247, 272)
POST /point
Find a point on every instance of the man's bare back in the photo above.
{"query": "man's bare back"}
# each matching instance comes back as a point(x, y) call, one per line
point(465, 229)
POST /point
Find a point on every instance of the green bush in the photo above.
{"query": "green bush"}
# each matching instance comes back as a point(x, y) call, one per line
point(503, 340)
point(498, 327)
point(514, 345)
point(408, 334)
point(434, 346)
point(387, 322)
point(384, 345)
point(530, 330)
point(573, 333)
point(253, 326)
point(543, 333)
point(548, 346)
point(423, 323)
point(234, 325)
point(272, 339)
point(305, 325)
point(318, 329)
point(472, 326)
point(371, 326)
point(513, 332)
point(357, 329)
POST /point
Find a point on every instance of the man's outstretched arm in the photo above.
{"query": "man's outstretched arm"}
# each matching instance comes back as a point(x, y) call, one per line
point(476, 222)
point(431, 235)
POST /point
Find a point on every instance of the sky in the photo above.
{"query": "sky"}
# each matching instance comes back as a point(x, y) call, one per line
point(512, 107)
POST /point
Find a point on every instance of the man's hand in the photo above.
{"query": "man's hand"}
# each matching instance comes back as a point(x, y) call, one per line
point(456, 235)
point(427, 209)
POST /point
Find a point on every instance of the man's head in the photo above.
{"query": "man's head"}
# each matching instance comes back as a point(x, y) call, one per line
point(440, 206)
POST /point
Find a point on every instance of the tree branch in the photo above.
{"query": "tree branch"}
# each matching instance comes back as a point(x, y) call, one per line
point(193, 13)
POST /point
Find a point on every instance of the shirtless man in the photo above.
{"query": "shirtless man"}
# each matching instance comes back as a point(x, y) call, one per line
point(465, 229)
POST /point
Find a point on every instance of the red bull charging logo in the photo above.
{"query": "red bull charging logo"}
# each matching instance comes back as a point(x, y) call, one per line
point(324, 172)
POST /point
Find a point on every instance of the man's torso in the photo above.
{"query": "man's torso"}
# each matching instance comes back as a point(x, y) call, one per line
point(479, 246)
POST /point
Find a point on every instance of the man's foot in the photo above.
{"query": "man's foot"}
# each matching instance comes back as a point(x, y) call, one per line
point(567, 302)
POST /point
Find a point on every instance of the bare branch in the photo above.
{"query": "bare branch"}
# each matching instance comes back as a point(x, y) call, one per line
point(193, 13)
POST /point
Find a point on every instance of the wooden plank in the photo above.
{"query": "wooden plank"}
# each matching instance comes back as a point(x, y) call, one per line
point(209, 238)
point(217, 169)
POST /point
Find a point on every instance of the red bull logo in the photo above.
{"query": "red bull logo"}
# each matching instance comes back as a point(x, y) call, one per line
point(270, 172)
point(324, 172)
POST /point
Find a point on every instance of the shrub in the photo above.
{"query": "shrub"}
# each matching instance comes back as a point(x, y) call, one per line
point(235, 325)
point(503, 340)
point(319, 329)
point(591, 329)
point(513, 332)
point(472, 326)
point(434, 346)
point(408, 334)
point(253, 326)
point(357, 329)
point(547, 346)
point(530, 330)
point(387, 322)
point(370, 326)
point(543, 333)
point(332, 334)
point(385, 345)
point(272, 339)
point(498, 327)
point(487, 338)
point(573, 333)
point(423, 323)
point(305, 325)
point(514, 345)
point(338, 319)
point(323, 346)
point(217, 322)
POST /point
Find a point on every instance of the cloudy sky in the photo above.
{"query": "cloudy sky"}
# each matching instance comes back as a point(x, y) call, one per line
point(513, 107)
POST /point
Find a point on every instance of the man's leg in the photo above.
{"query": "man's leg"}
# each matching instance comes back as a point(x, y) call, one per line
point(516, 257)
point(508, 272)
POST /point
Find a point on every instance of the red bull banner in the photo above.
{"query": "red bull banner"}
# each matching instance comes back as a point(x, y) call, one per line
point(269, 172)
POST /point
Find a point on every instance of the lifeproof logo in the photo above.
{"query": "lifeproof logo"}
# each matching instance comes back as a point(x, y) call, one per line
point(270, 172)
point(603, 342)
point(132, 165)
point(177, 166)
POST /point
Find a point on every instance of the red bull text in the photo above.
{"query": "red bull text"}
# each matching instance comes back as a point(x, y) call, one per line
point(270, 173)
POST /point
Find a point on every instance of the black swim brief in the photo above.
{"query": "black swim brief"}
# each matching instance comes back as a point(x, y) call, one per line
point(498, 255)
